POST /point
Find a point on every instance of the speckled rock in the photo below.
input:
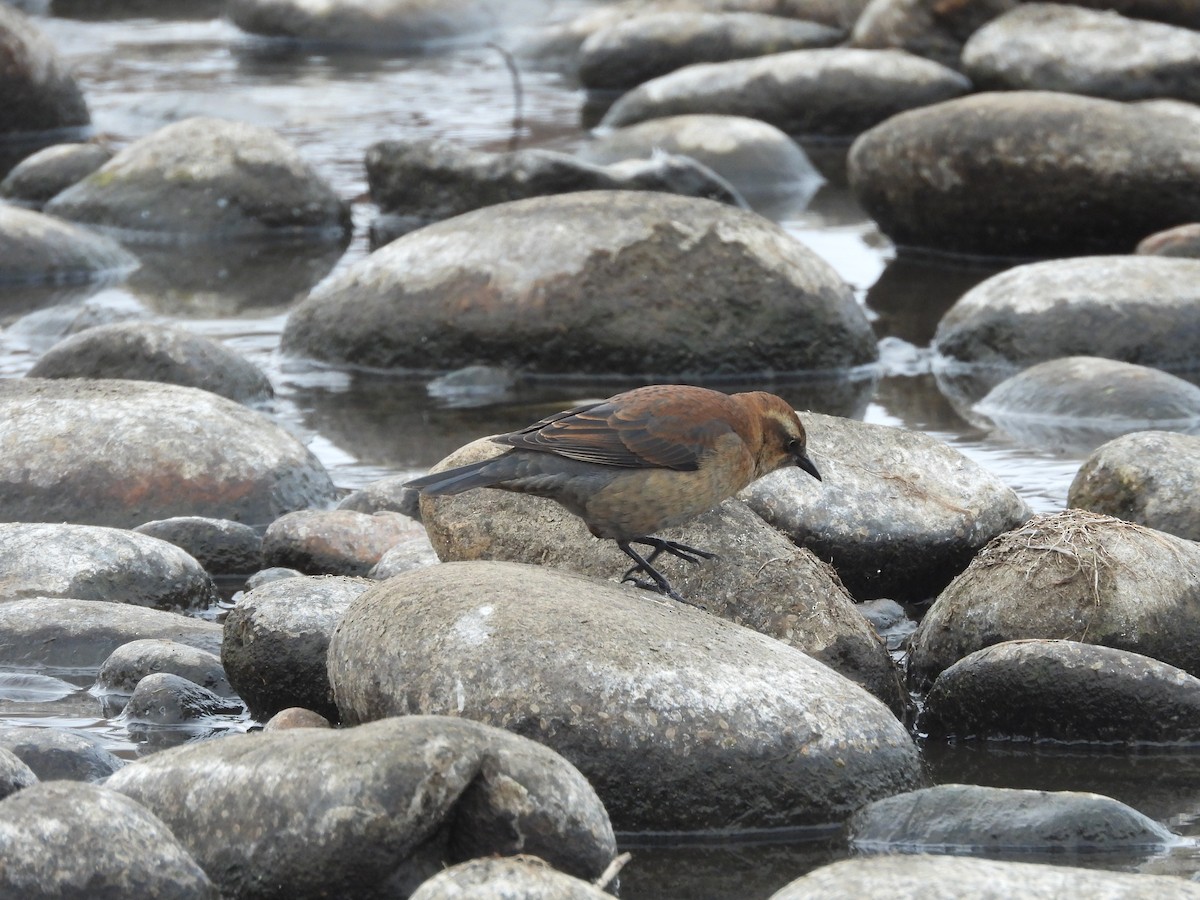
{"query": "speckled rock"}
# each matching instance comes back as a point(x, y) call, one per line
point(140, 451)
point(164, 699)
point(1058, 47)
point(1063, 691)
point(131, 662)
point(1150, 478)
point(833, 92)
point(760, 579)
point(276, 638)
point(146, 351)
point(334, 541)
point(40, 96)
point(635, 50)
point(520, 878)
point(1073, 575)
point(221, 546)
point(211, 179)
point(1137, 309)
point(83, 633)
point(36, 248)
point(410, 553)
point(1182, 240)
point(296, 717)
point(38, 177)
point(373, 810)
point(897, 513)
point(523, 279)
point(1062, 175)
point(906, 877)
point(85, 562)
point(666, 710)
point(14, 774)
point(67, 840)
point(384, 495)
point(60, 754)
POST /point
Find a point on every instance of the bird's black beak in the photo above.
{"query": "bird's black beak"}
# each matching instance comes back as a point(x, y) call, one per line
point(807, 465)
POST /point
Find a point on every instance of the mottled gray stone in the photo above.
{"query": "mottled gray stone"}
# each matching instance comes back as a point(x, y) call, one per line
point(832, 92)
point(163, 699)
point(130, 663)
point(276, 639)
point(1182, 240)
point(60, 754)
point(1074, 575)
point(68, 840)
point(86, 562)
point(1028, 173)
point(668, 711)
point(38, 177)
point(35, 248)
point(14, 773)
point(84, 633)
point(385, 495)
point(39, 93)
point(1063, 691)
point(139, 451)
point(1151, 478)
point(520, 878)
point(221, 546)
point(296, 717)
point(146, 351)
point(370, 811)
point(334, 541)
point(897, 513)
point(211, 179)
point(410, 553)
point(525, 280)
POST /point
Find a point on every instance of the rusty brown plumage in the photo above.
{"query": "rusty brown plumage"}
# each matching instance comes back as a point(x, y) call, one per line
point(641, 461)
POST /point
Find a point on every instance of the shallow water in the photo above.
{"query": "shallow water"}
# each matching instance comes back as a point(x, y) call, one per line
point(139, 74)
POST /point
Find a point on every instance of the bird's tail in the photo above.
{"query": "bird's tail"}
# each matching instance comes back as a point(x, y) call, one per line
point(459, 479)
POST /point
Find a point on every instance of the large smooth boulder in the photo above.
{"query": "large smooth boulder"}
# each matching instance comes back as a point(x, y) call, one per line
point(368, 811)
point(121, 453)
point(70, 840)
point(60, 754)
point(1027, 173)
point(1063, 691)
point(40, 95)
point(668, 711)
point(1074, 575)
point(1136, 309)
point(833, 92)
point(36, 248)
point(897, 513)
point(1149, 477)
point(211, 179)
point(654, 284)
point(1057, 47)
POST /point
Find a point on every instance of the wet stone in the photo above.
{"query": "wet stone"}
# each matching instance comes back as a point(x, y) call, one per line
point(296, 717)
point(36, 248)
point(14, 774)
point(385, 495)
point(1151, 478)
point(668, 711)
point(40, 96)
point(163, 699)
point(145, 351)
point(58, 753)
point(373, 810)
point(1063, 691)
point(37, 178)
point(66, 839)
point(526, 877)
point(131, 662)
point(272, 573)
point(221, 546)
point(335, 541)
point(276, 639)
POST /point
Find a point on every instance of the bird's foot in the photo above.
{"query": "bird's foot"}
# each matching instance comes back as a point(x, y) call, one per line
point(658, 581)
point(683, 551)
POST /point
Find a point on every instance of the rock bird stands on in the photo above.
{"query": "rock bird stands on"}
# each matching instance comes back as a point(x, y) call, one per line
point(642, 461)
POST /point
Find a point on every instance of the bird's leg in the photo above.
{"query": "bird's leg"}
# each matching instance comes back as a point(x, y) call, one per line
point(683, 551)
point(642, 564)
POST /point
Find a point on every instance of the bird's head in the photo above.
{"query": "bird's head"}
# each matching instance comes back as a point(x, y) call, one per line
point(784, 442)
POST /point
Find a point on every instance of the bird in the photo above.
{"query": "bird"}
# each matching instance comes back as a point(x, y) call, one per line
point(641, 461)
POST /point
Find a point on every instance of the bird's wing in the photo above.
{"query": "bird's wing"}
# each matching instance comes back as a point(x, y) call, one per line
point(613, 434)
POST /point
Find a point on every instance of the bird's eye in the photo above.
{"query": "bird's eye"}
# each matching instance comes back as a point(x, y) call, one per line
point(793, 446)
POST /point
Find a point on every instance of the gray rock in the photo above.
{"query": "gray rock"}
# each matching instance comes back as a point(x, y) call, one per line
point(1112, 174)
point(385, 495)
point(130, 663)
point(146, 351)
point(85, 562)
point(832, 93)
point(140, 451)
point(1056, 47)
point(1063, 691)
point(210, 179)
point(334, 541)
point(410, 553)
point(519, 878)
point(82, 634)
point(969, 818)
point(221, 546)
point(759, 579)
point(1136, 309)
point(41, 329)
point(667, 711)
point(40, 176)
point(276, 638)
point(274, 573)
point(897, 513)
point(36, 248)
point(636, 50)
point(14, 774)
point(39, 93)
point(369, 811)
point(1150, 478)
point(1182, 240)
point(657, 282)
point(296, 717)
point(55, 754)
point(906, 877)
point(70, 840)
point(922, 27)
point(162, 699)
point(425, 181)
point(1073, 575)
